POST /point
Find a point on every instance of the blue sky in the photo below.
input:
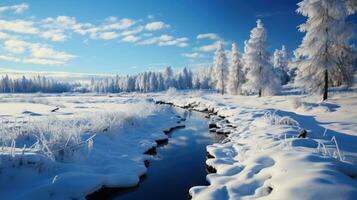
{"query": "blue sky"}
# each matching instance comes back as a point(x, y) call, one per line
point(129, 36)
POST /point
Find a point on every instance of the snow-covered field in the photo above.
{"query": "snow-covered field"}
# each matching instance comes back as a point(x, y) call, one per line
point(263, 158)
point(67, 146)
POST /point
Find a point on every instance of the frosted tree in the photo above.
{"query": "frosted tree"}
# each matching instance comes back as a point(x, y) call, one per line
point(195, 82)
point(293, 65)
point(281, 65)
point(260, 76)
point(185, 79)
point(161, 82)
point(153, 84)
point(327, 56)
point(235, 73)
point(168, 76)
point(220, 68)
point(35, 84)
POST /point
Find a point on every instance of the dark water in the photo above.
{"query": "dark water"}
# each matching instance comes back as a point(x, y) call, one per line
point(178, 166)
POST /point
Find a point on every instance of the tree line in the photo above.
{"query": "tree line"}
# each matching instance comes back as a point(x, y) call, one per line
point(324, 58)
point(34, 84)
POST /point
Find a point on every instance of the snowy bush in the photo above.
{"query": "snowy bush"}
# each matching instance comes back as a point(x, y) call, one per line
point(274, 119)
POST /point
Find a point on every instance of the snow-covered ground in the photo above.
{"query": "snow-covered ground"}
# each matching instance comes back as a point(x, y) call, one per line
point(263, 158)
point(67, 146)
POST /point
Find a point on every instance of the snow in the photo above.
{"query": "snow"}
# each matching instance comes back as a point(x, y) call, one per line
point(263, 158)
point(90, 142)
point(94, 140)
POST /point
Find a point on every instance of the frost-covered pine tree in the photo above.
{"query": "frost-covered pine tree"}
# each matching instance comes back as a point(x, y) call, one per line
point(196, 82)
point(327, 55)
point(168, 76)
point(281, 65)
point(260, 73)
point(235, 73)
point(220, 68)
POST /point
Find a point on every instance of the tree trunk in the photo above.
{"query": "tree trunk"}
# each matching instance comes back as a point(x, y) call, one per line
point(260, 92)
point(326, 86)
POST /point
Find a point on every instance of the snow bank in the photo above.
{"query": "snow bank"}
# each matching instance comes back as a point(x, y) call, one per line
point(263, 158)
point(65, 156)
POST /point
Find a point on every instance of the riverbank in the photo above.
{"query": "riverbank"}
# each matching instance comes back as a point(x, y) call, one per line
point(176, 166)
point(68, 146)
point(263, 156)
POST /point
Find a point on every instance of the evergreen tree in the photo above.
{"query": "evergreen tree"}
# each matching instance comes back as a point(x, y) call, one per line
point(260, 75)
point(220, 68)
point(281, 65)
point(327, 57)
point(235, 72)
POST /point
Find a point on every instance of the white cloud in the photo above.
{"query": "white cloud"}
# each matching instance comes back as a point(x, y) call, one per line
point(120, 25)
point(149, 41)
point(154, 26)
point(3, 35)
point(184, 44)
point(108, 35)
point(165, 37)
point(36, 53)
point(208, 48)
point(44, 51)
point(104, 31)
point(211, 36)
point(19, 26)
point(166, 40)
point(60, 22)
point(19, 8)
point(9, 58)
point(192, 55)
point(133, 31)
point(42, 61)
point(180, 42)
point(54, 35)
point(130, 38)
point(15, 46)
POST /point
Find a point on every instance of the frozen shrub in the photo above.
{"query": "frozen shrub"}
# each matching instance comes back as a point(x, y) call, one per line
point(274, 119)
point(60, 139)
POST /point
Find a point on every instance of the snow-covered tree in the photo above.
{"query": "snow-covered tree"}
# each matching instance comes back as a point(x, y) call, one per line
point(153, 84)
point(260, 76)
point(327, 55)
point(196, 82)
point(185, 79)
point(220, 68)
point(281, 65)
point(33, 84)
point(235, 72)
point(168, 76)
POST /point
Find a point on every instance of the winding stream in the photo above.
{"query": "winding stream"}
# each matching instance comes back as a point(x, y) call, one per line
point(177, 166)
